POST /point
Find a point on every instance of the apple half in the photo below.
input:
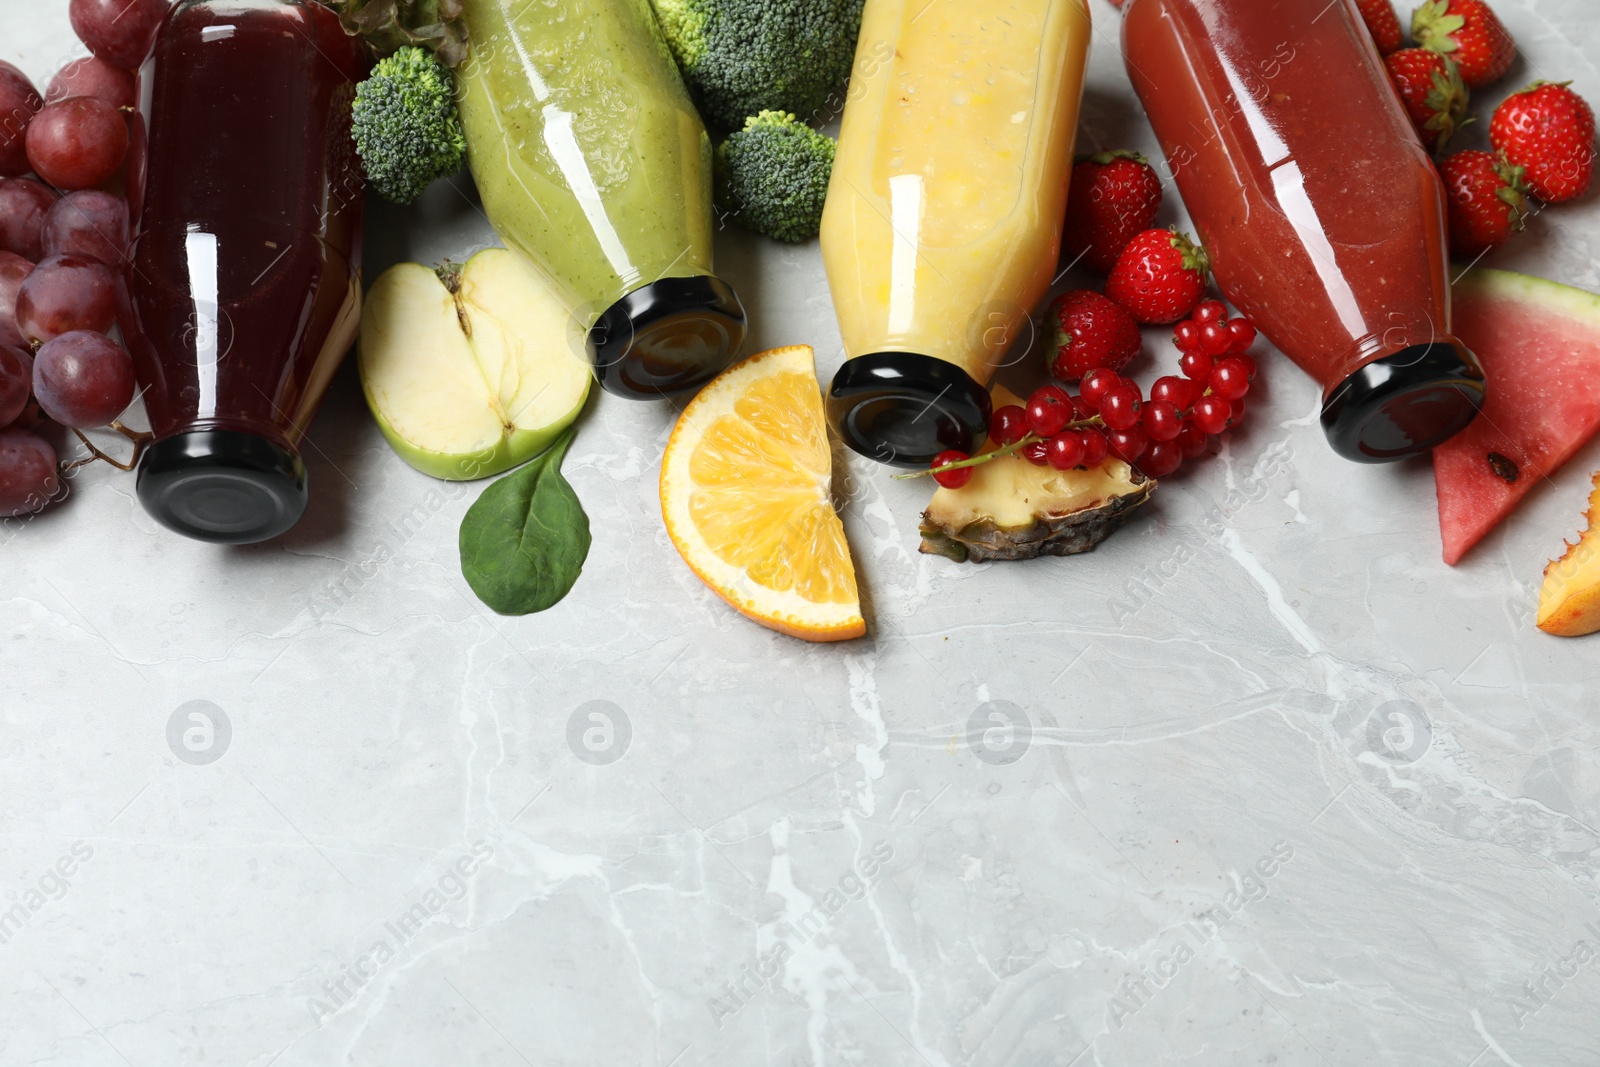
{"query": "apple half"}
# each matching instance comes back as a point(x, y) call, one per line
point(472, 369)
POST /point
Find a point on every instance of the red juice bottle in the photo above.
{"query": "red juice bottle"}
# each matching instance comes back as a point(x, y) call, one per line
point(243, 291)
point(1321, 211)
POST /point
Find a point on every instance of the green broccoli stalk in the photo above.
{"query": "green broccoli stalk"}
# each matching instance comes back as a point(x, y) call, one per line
point(740, 57)
point(407, 131)
point(773, 176)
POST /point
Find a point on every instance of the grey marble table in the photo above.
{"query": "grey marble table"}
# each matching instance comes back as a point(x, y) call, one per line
point(1278, 786)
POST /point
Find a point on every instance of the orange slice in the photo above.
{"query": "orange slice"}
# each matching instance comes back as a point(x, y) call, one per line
point(745, 493)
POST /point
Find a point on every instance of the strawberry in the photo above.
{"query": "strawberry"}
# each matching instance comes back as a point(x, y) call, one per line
point(1090, 331)
point(1383, 24)
point(1114, 195)
point(1468, 32)
point(1548, 130)
point(1485, 199)
point(1430, 86)
point(1159, 277)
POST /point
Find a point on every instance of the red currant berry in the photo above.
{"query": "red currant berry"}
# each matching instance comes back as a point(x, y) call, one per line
point(1096, 384)
point(1195, 365)
point(1179, 392)
point(1049, 410)
point(1210, 311)
point(1037, 452)
point(1237, 415)
point(1120, 408)
point(1215, 338)
point(1065, 450)
point(1161, 459)
point(1081, 410)
point(1128, 445)
point(1211, 414)
point(1094, 448)
point(1186, 335)
point(1192, 441)
point(1244, 334)
point(1008, 425)
point(1229, 379)
point(1160, 420)
point(954, 479)
point(1249, 365)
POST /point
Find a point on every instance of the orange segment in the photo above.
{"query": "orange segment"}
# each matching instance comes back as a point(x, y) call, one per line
point(745, 494)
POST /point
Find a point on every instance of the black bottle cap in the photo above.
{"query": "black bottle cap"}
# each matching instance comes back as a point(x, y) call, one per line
point(667, 337)
point(1405, 404)
point(903, 408)
point(222, 486)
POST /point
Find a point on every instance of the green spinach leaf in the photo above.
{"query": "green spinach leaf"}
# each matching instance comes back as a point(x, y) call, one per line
point(524, 541)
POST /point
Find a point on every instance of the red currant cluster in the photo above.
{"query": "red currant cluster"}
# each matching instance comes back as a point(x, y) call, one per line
point(1110, 416)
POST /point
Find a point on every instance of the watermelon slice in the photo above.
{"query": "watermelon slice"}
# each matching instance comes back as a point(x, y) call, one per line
point(1539, 343)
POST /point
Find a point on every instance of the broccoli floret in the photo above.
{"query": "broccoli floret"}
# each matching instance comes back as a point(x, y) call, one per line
point(773, 176)
point(740, 57)
point(407, 130)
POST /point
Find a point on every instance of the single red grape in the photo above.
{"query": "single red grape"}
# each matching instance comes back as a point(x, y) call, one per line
point(83, 379)
point(90, 223)
point(19, 102)
point(1008, 424)
point(23, 206)
point(1128, 445)
point(1120, 408)
point(1096, 384)
point(951, 479)
point(1037, 452)
point(66, 293)
point(77, 143)
point(1211, 414)
point(1094, 447)
point(1230, 379)
point(1049, 410)
point(1196, 365)
point(1192, 441)
point(1186, 335)
point(28, 476)
point(1244, 334)
point(1161, 459)
point(16, 382)
point(1065, 450)
point(1160, 420)
point(92, 76)
point(118, 31)
point(1180, 392)
point(13, 269)
point(1215, 338)
point(1210, 311)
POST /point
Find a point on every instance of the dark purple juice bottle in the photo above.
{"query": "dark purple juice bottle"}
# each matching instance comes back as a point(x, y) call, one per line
point(243, 291)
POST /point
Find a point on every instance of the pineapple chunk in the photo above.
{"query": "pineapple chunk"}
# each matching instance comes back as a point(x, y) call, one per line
point(1012, 509)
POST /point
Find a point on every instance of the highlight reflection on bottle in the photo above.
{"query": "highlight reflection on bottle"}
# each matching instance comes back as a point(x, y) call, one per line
point(943, 220)
point(1321, 211)
point(243, 292)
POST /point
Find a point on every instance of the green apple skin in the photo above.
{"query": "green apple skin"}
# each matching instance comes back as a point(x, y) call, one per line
point(513, 450)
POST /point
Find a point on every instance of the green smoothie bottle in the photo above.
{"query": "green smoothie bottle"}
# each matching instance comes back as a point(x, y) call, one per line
point(593, 163)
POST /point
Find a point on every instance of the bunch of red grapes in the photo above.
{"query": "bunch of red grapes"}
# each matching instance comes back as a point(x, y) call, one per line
point(63, 238)
point(1179, 420)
